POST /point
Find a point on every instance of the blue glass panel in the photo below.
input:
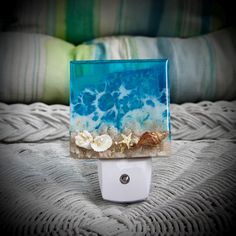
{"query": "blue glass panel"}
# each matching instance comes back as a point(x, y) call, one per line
point(124, 103)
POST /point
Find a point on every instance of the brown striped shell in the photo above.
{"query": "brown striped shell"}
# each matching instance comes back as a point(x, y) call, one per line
point(152, 138)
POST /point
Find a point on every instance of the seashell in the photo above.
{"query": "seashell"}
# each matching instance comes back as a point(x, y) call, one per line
point(152, 138)
point(83, 139)
point(126, 140)
point(101, 143)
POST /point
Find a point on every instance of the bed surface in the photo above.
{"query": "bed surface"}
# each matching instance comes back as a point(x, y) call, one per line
point(45, 192)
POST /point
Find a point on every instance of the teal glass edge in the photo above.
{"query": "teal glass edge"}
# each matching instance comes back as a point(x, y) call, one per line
point(95, 102)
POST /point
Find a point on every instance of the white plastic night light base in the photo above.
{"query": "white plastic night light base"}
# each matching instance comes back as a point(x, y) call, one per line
point(136, 175)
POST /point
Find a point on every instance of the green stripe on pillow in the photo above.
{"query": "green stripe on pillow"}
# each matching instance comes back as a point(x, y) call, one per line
point(77, 21)
point(56, 86)
point(60, 26)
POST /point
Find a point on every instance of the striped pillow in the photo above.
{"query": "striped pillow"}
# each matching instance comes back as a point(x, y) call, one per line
point(78, 20)
point(201, 67)
point(36, 67)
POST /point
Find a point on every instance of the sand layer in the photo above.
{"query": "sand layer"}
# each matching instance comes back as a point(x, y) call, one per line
point(120, 151)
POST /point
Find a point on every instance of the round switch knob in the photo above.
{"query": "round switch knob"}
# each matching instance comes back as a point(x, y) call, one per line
point(124, 179)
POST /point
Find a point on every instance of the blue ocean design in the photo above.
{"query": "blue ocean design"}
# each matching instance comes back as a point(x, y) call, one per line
point(119, 94)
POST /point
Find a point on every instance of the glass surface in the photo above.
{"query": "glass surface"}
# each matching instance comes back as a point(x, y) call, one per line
point(119, 109)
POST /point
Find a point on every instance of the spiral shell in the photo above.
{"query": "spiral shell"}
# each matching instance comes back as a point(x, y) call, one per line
point(152, 138)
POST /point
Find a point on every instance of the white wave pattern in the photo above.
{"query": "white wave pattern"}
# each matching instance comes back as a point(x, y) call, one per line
point(120, 101)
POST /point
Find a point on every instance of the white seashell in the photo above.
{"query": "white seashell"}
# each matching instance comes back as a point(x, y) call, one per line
point(84, 139)
point(101, 143)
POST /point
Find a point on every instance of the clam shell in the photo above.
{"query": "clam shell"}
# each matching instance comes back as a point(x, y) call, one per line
point(83, 139)
point(101, 143)
point(152, 138)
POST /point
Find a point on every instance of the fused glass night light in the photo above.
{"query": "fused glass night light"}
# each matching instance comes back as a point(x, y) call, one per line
point(119, 109)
